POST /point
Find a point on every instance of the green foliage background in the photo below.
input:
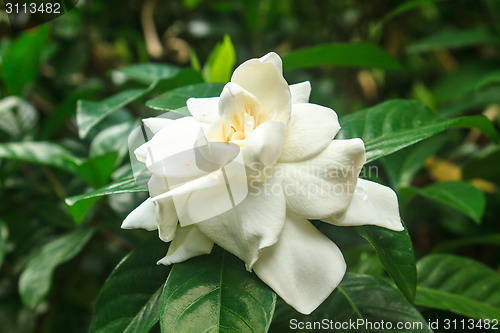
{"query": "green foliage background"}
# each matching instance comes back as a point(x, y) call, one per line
point(419, 81)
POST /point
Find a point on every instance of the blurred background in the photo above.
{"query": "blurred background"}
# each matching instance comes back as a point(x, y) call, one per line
point(450, 52)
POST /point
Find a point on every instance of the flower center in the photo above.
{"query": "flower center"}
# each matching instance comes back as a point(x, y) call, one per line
point(241, 125)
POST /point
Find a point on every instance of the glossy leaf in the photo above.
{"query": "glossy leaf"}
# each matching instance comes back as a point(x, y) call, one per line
point(46, 153)
point(343, 55)
point(395, 252)
point(97, 170)
point(396, 124)
point(129, 301)
point(145, 73)
point(359, 299)
point(78, 205)
point(176, 99)
point(220, 63)
point(460, 285)
point(112, 139)
point(452, 39)
point(403, 165)
point(215, 293)
point(458, 194)
point(21, 62)
point(4, 237)
point(17, 116)
point(36, 279)
point(89, 114)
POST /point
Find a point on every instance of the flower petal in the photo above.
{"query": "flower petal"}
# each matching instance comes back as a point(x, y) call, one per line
point(143, 217)
point(205, 110)
point(155, 124)
point(166, 216)
point(189, 242)
point(261, 78)
point(310, 130)
point(323, 185)
point(300, 92)
point(372, 204)
point(254, 224)
point(264, 145)
point(303, 267)
point(234, 102)
point(176, 139)
point(275, 59)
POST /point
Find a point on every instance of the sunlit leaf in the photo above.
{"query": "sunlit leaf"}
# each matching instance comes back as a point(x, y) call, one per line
point(220, 63)
point(458, 194)
point(129, 301)
point(460, 285)
point(343, 55)
point(36, 279)
point(395, 252)
point(215, 293)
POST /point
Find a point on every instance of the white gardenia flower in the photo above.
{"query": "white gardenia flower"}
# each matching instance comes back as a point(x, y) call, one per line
point(294, 171)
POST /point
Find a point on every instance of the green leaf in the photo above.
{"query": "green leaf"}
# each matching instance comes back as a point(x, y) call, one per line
point(395, 252)
point(17, 116)
point(480, 166)
point(4, 237)
point(176, 99)
point(215, 293)
point(407, 6)
point(472, 101)
point(45, 153)
point(36, 279)
point(358, 299)
point(220, 63)
point(489, 79)
point(460, 195)
point(21, 62)
point(452, 40)
point(394, 125)
point(129, 300)
point(460, 243)
point(146, 74)
point(344, 55)
point(112, 139)
point(459, 285)
point(403, 165)
point(89, 114)
point(78, 205)
point(97, 170)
